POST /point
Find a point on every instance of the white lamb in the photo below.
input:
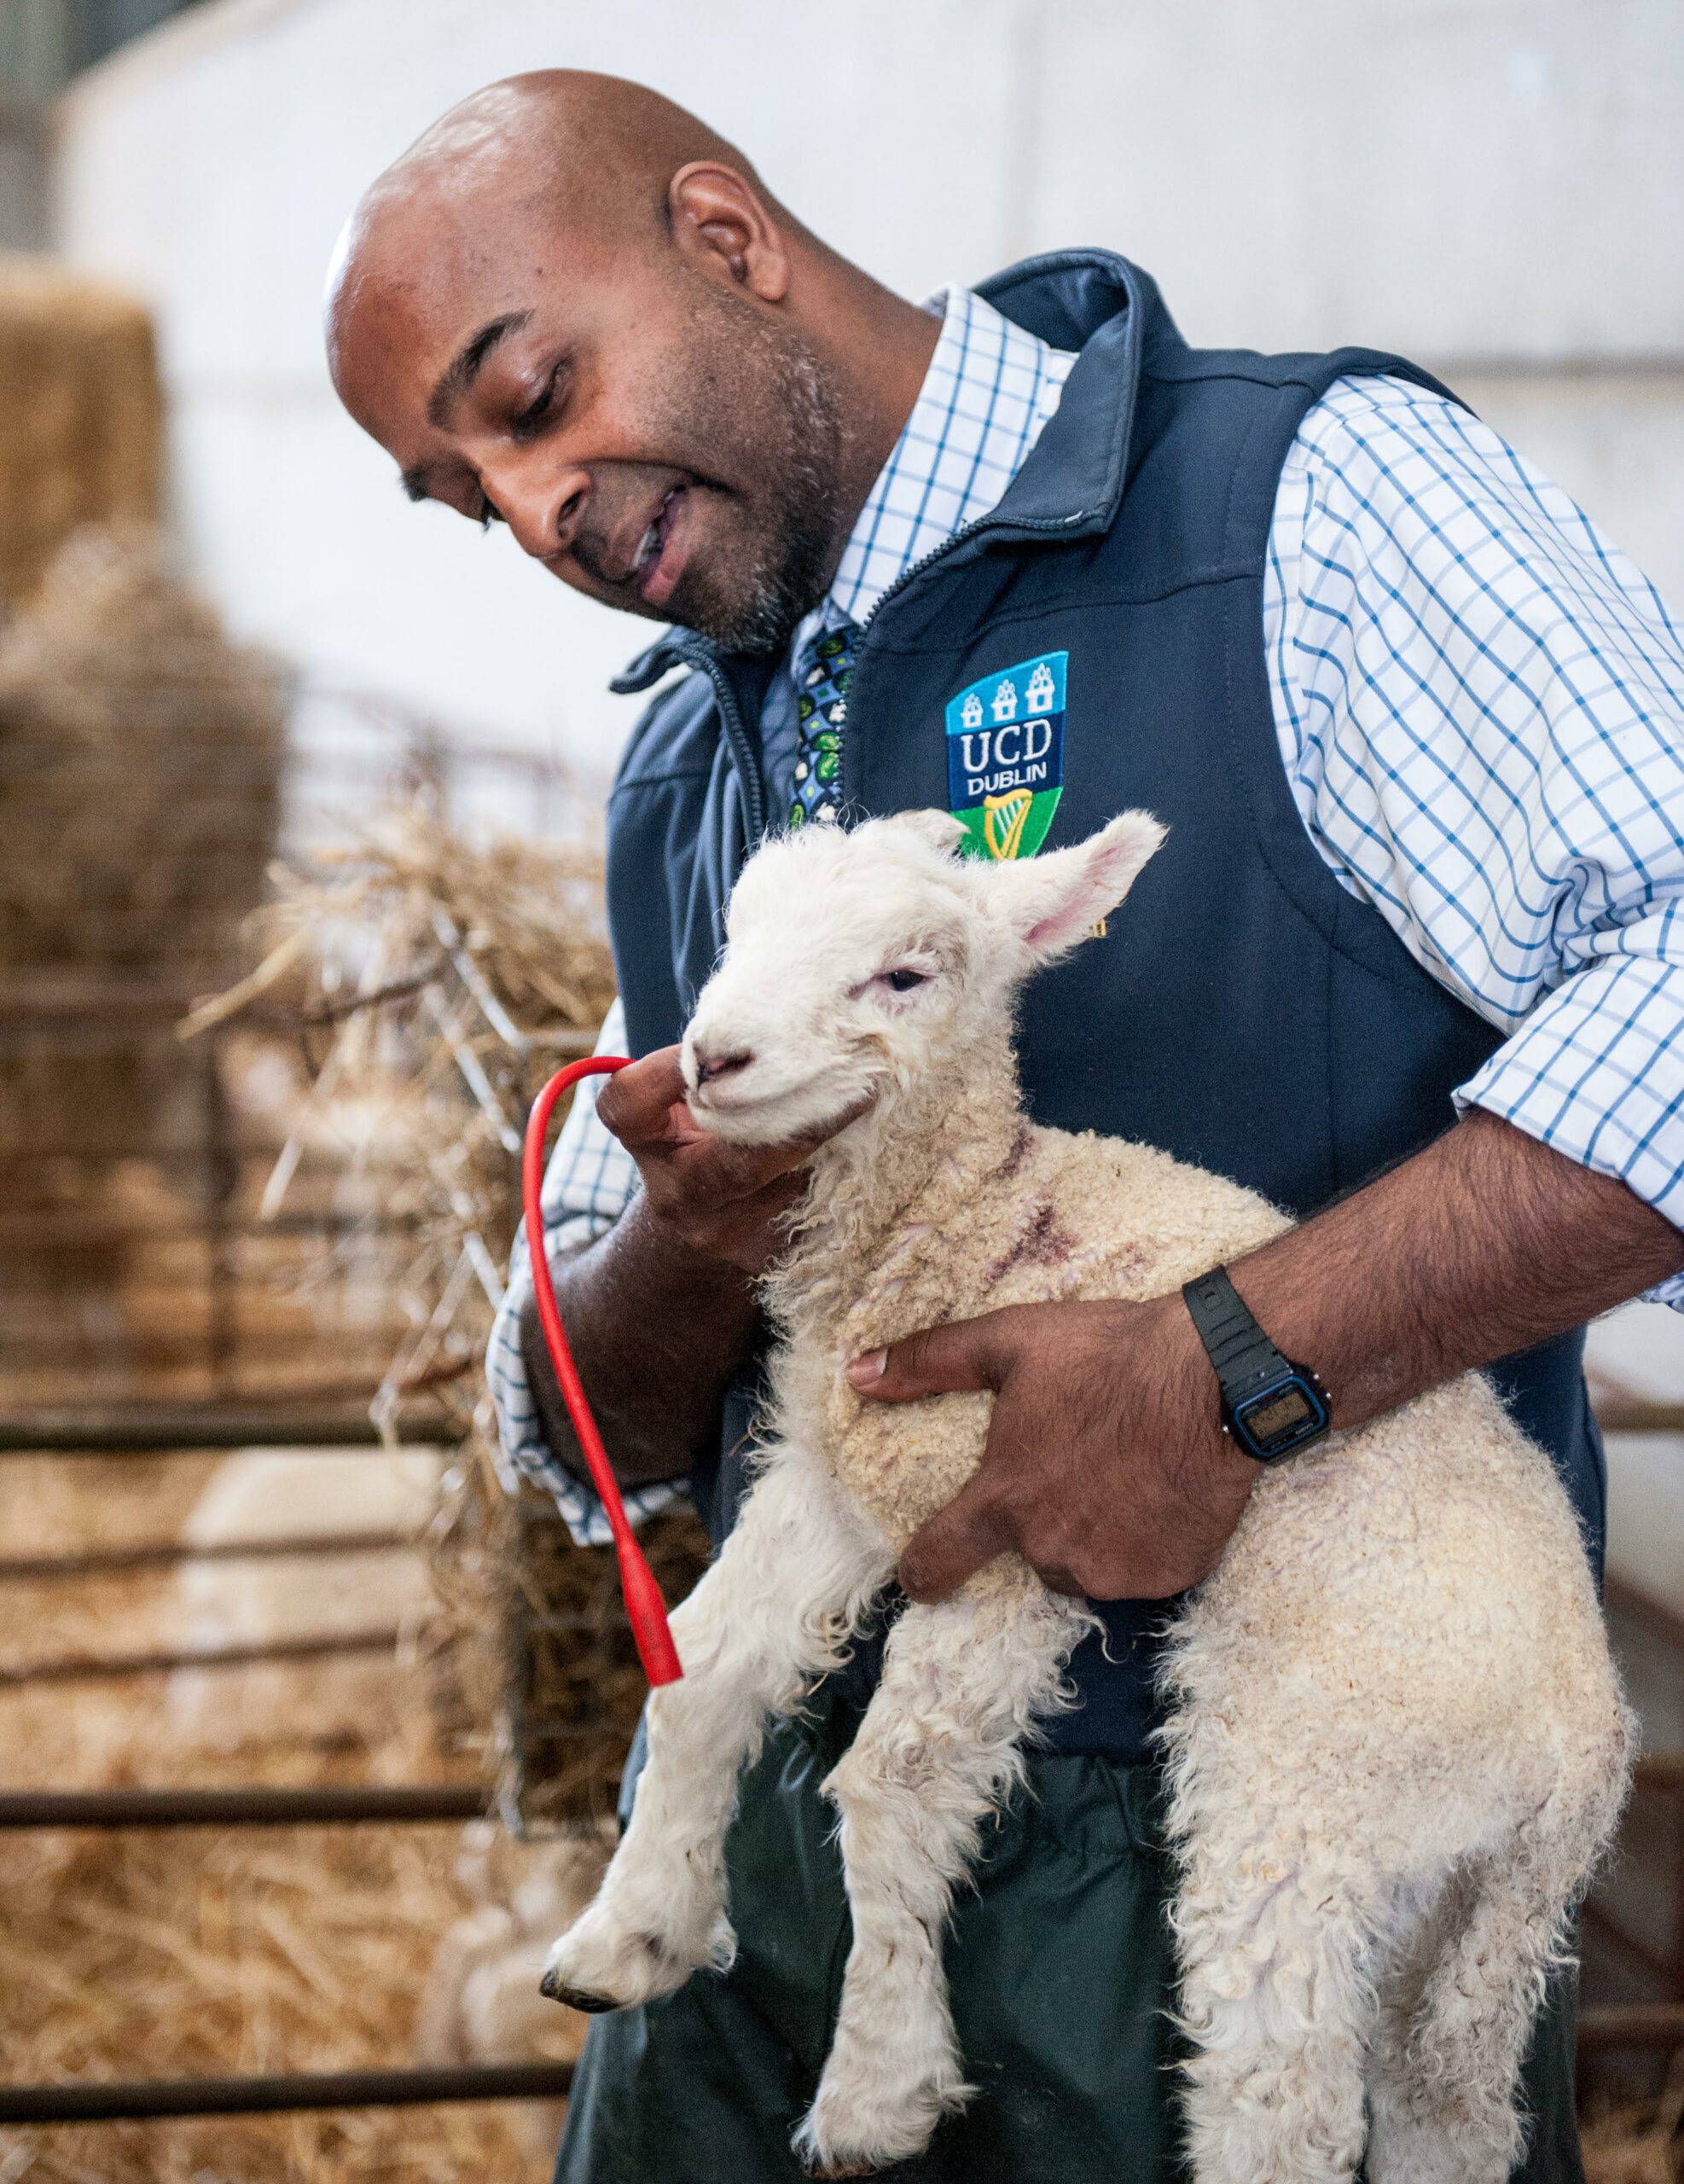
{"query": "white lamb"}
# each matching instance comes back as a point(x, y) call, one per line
point(1397, 1744)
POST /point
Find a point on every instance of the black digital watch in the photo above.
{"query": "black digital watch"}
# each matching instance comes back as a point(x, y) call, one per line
point(1271, 1407)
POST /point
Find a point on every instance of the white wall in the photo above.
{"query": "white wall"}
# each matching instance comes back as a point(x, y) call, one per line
point(1499, 182)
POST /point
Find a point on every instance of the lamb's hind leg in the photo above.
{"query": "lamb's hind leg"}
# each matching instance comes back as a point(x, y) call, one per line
point(789, 1589)
point(938, 1750)
point(1280, 1923)
point(1277, 1948)
point(1445, 2082)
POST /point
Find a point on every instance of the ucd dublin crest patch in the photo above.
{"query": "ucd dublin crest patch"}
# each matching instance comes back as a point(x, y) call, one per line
point(1005, 756)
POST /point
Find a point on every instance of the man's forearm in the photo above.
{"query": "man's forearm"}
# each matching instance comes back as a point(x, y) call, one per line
point(657, 1332)
point(1483, 1244)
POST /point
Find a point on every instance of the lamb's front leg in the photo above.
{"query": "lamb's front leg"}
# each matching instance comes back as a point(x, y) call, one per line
point(789, 1588)
point(939, 1748)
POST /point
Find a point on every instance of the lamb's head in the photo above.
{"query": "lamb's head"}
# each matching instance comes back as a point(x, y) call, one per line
point(861, 962)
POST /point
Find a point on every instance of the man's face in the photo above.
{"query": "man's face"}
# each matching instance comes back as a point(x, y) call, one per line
point(658, 440)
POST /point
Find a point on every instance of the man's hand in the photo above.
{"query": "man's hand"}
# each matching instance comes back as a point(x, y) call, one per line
point(1106, 1466)
point(721, 1202)
point(661, 1311)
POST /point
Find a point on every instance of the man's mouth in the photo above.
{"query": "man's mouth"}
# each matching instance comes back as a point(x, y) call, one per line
point(661, 555)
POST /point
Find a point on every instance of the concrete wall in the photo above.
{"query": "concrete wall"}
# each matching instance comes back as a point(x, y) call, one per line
point(1494, 185)
point(23, 174)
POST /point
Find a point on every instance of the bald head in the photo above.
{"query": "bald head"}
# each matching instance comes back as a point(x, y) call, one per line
point(561, 145)
point(572, 306)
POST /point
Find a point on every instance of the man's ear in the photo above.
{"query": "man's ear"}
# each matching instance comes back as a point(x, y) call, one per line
point(721, 224)
point(1053, 902)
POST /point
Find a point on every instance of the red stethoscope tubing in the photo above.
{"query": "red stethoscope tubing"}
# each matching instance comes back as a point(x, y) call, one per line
point(645, 1609)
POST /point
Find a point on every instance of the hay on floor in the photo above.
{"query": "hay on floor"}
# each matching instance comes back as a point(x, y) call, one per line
point(200, 1952)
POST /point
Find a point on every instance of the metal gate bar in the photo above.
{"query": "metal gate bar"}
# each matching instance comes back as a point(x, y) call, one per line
point(1636, 2025)
point(146, 1428)
point(295, 2092)
point(119, 2103)
point(328, 1805)
point(165, 1553)
point(92, 1668)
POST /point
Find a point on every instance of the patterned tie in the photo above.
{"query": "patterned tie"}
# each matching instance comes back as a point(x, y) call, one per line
point(822, 706)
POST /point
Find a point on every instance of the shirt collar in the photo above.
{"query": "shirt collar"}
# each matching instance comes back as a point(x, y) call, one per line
point(989, 389)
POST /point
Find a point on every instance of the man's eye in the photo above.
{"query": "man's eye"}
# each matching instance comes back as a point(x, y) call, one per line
point(487, 516)
point(529, 423)
point(905, 981)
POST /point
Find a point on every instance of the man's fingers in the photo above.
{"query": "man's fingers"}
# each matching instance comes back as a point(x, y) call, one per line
point(964, 1354)
point(740, 1169)
point(746, 1231)
point(708, 1167)
point(953, 1546)
point(645, 1108)
point(637, 1103)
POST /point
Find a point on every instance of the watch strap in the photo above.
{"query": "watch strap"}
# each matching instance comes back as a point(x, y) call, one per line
point(1243, 1356)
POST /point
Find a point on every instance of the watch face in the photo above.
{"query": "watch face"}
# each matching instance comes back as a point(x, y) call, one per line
point(1277, 1414)
point(1281, 1418)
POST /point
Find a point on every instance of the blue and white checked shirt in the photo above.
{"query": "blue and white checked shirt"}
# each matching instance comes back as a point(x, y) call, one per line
point(1480, 704)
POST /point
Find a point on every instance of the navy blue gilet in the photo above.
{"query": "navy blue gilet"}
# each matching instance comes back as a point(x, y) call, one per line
point(1244, 1012)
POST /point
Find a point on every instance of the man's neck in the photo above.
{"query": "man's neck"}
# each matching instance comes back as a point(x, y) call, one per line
point(879, 348)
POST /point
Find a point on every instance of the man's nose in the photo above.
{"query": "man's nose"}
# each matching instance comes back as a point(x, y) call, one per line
point(542, 511)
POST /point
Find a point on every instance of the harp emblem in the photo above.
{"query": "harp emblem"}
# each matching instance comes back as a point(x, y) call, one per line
point(1003, 818)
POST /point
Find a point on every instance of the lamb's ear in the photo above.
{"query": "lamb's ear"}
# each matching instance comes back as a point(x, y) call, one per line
point(940, 829)
point(1053, 902)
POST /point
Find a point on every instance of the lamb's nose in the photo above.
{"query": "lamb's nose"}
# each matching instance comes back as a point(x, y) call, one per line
point(710, 1064)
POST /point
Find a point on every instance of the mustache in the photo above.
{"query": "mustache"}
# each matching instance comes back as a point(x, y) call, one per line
point(592, 545)
point(591, 550)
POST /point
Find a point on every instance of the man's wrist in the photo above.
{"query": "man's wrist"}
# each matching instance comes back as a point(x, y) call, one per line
point(1272, 1405)
point(1189, 1391)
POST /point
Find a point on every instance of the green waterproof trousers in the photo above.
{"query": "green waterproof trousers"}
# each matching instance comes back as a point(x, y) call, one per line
point(1061, 1976)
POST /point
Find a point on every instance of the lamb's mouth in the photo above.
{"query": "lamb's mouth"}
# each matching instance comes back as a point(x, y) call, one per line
point(735, 1113)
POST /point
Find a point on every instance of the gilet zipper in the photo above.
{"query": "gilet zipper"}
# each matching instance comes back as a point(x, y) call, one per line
point(745, 748)
point(907, 576)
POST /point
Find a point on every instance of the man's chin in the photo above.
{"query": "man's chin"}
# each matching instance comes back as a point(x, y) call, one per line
point(779, 590)
point(759, 628)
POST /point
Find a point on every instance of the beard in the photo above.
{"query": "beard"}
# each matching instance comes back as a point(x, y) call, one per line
point(759, 391)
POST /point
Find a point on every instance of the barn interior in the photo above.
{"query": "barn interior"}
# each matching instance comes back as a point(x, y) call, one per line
point(311, 1715)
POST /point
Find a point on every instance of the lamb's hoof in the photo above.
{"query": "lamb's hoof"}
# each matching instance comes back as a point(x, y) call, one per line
point(873, 2110)
point(825, 2151)
point(554, 1990)
point(598, 1964)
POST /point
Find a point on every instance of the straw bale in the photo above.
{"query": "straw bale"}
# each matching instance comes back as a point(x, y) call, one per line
point(540, 1649)
point(436, 983)
point(81, 429)
point(140, 769)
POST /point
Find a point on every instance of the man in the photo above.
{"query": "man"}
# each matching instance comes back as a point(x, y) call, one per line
point(1411, 963)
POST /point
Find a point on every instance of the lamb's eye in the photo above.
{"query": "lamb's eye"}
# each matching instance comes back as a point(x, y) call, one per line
point(905, 981)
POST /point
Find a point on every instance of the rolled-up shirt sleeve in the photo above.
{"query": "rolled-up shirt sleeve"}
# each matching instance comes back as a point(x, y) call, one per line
point(1480, 702)
point(587, 1186)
